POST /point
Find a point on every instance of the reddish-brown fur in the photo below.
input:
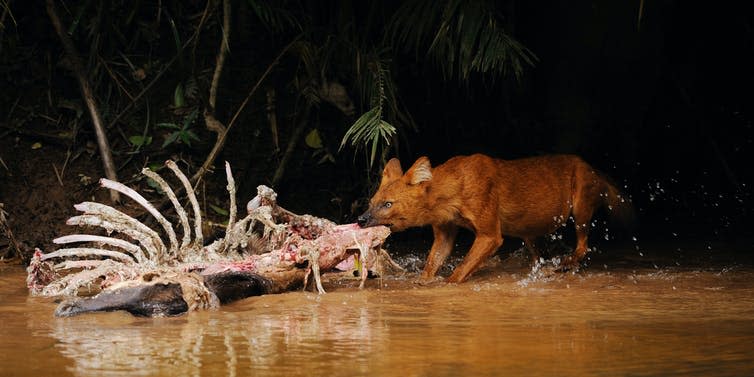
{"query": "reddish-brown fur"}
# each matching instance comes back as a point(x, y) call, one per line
point(525, 198)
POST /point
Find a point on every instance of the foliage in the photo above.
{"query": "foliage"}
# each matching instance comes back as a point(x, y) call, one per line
point(182, 133)
point(219, 210)
point(139, 140)
point(461, 37)
point(370, 128)
point(314, 140)
point(273, 17)
point(129, 46)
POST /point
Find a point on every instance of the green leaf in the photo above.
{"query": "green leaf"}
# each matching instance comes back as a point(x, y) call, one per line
point(170, 139)
point(169, 125)
point(140, 141)
point(179, 99)
point(313, 140)
point(192, 135)
point(153, 184)
point(190, 118)
point(219, 210)
point(185, 138)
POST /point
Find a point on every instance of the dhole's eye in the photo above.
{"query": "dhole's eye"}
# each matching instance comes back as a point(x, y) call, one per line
point(388, 204)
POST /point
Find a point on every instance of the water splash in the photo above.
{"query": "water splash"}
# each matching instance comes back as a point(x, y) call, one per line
point(543, 270)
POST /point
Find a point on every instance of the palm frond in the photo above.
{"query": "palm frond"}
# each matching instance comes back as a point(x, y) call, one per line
point(371, 130)
point(274, 18)
point(462, 38)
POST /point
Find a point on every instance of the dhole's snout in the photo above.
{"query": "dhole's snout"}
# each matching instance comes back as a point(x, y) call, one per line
point(365, 220)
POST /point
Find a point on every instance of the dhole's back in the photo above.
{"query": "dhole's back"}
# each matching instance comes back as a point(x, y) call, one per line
point(535, 195)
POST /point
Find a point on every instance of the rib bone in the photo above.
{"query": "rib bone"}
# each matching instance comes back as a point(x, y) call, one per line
point(199, 239)
point(117, 186)
point(116, 242)
point(176, 204)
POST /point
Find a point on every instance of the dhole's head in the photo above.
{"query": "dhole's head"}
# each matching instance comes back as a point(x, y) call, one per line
point(400, 200)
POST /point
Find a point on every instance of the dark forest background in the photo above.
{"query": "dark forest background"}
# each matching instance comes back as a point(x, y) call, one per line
point(657, 94)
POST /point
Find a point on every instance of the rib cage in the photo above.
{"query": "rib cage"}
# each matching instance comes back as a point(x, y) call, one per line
point(95, 262)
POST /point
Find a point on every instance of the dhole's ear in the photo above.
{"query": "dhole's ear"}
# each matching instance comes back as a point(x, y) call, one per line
point(392, 170)
point(420, 172)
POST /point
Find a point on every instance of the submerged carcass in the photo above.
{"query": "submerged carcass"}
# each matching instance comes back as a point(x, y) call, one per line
point(270, 250)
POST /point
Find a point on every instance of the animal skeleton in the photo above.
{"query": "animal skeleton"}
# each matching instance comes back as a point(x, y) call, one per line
point(293, 247)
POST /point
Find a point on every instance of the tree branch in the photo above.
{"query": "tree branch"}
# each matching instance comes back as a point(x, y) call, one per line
point(223, 136)
point(88, 95)
point(292, 142)
point(224, 48)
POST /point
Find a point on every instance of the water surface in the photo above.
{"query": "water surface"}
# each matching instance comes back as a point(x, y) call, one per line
point(628, 319)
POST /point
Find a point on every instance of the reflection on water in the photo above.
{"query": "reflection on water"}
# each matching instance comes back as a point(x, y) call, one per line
point(605, 322)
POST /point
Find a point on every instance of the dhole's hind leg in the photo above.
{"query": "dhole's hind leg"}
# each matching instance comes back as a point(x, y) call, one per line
point(572, 261)
point(533, 251)
point(583, 208)
point(445, 236)
point(482, 248)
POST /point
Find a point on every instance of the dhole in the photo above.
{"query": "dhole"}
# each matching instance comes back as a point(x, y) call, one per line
point(524, 198)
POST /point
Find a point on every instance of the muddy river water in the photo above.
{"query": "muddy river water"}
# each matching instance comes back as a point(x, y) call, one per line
point(624, 319)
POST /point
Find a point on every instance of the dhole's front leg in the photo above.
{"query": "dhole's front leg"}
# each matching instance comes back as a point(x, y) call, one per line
point(445, 236)
point(483, 247)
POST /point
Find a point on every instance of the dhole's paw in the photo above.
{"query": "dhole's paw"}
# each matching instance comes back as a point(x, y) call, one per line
point(569, 263)
point(424, 281)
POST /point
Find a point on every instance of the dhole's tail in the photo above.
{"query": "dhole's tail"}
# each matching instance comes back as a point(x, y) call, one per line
point(619, 206)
